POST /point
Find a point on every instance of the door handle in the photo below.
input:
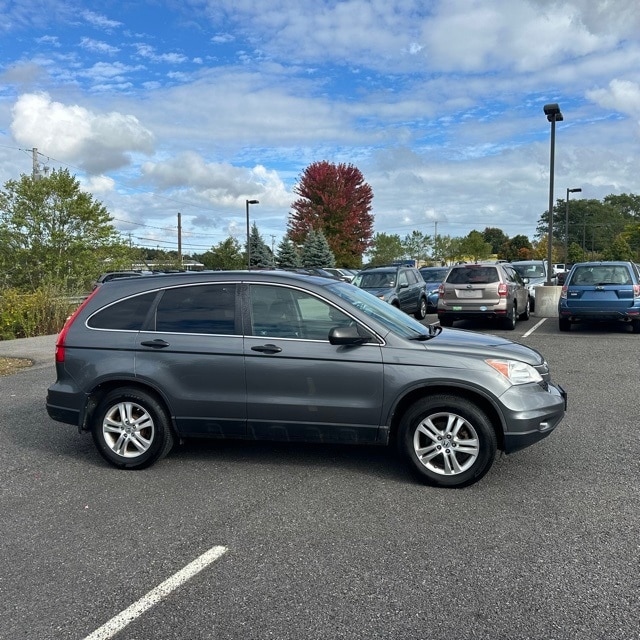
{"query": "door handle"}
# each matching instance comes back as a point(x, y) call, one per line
point(267, 348)
point(156, 344)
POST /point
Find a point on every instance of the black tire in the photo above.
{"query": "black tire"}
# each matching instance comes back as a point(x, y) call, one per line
point(635, 326)
point(421, 311)
point(526, 314)
point(135, 440)
point(532, 303)
point(509, 321)
point(564, 324)
point(445, 322)
point(430, 436)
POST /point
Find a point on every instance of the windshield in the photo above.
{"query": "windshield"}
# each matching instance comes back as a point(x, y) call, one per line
point(392, 318)
point(530, 270)
point(434, 275)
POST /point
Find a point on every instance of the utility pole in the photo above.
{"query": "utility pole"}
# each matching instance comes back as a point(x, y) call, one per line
point(35, 174)
point(180, 238)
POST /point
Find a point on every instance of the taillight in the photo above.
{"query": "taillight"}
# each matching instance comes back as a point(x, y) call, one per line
point(563, 293)
point(441, 289)
point(62, 336)
point(503, 290)
point(636, 290)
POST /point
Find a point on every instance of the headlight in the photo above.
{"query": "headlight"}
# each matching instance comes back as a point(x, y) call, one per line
point(515, 371)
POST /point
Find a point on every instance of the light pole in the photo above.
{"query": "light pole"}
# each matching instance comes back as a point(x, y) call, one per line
point(566, 225)
point(248, 202)
point(553, 113)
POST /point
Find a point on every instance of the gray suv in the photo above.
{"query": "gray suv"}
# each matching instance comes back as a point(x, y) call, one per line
point(401, 286)
point(148, 361)
point(481, 290)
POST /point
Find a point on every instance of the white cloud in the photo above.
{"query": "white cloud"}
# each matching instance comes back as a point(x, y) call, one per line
point(621, 95)
point(71, 133)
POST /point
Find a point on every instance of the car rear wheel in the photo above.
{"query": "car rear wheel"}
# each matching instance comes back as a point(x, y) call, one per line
point(445, 322)
point(526, 314)
point(421, 312)
point(635, 326)
point(510, 319)
point(131, 429)
point(448, 441)
point(564, 324)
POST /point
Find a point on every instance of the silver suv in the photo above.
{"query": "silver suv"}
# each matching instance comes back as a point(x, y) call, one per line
point(481, 290)
point(149, 361)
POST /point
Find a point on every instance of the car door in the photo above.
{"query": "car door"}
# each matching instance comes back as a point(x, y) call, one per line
point(406, 291)
point(299, 386)
point(192, 352)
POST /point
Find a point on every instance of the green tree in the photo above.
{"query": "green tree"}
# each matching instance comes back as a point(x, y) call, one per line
point(496, 238)
point(517, 248)
point(54, 234)
point(287, 256)
point(336, 200)
point(316, 251)
point(261, 256)
point(225, 255)
point(475, 247)
point(385, 249)
point(416, 245)
point(619, 249)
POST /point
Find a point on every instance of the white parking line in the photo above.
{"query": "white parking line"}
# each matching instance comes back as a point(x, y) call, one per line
point(119, 622)
point(528, 333)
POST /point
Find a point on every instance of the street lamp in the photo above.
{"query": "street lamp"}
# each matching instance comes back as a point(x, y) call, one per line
point(248, 243)
point(553, 113)
point(566, 225)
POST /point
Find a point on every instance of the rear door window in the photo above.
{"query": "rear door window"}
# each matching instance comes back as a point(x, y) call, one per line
point(209, 308)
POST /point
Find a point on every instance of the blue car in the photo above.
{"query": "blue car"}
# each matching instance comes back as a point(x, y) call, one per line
point(600, 291)
point(433, 276)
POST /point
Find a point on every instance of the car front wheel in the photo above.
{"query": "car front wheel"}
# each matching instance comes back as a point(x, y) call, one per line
point(448, 441)
point(131, 429)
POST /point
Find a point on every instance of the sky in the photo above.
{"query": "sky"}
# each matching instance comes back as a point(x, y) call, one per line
point(193, 107)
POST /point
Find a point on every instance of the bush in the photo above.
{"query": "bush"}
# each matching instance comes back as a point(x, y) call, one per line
point(42, 312)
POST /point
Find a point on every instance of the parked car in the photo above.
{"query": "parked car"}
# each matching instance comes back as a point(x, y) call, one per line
point(400, 286)
point(433, 276)
point(535, 271)
point(482, 290)
point(600, 291)
point(146, 362)
point(343, 274)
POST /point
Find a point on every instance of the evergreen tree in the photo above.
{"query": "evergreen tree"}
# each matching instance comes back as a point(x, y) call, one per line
point(287, 257)
point(316, 251)
point(261, 256)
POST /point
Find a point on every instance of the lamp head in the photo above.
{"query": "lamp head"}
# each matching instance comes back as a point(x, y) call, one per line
point(553, 113)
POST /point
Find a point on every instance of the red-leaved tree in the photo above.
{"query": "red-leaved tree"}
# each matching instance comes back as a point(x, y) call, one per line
point(336, 200)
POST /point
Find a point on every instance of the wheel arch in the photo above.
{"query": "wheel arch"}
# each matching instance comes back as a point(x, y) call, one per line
point(100, 391)
point(467, 393)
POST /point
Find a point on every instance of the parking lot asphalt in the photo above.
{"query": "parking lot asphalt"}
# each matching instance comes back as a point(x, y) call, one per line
point(40, 350)
point(328, 542)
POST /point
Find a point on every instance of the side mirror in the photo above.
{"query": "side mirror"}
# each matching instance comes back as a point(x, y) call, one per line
point(347, 335)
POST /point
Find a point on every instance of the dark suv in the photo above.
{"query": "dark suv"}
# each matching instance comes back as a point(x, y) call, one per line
point(401, 286)
point(481, 290)
point(273, 355)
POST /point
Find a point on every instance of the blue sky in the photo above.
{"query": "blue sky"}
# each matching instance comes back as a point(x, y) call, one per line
point(195, 106)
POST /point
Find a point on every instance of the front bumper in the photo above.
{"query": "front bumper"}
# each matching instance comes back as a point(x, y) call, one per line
point(534, 419)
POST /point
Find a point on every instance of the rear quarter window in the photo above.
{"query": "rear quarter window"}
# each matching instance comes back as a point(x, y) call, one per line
point(126, 315)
